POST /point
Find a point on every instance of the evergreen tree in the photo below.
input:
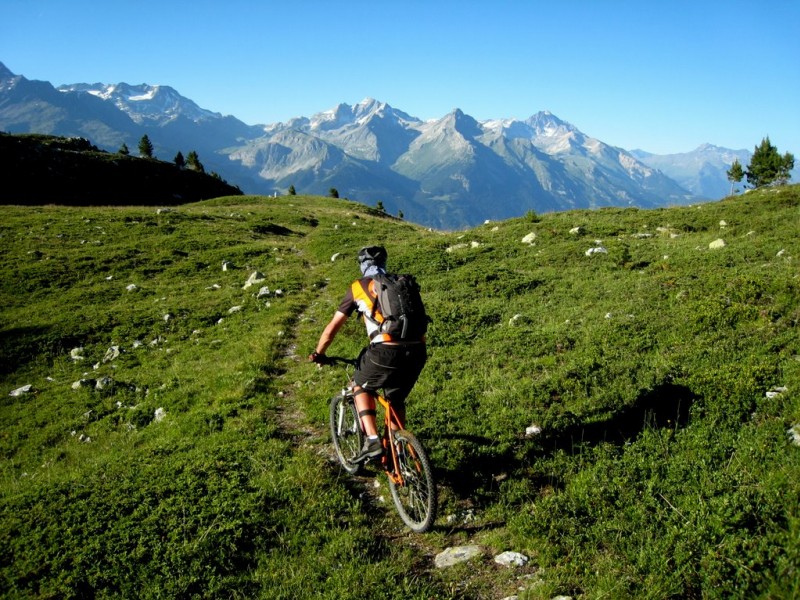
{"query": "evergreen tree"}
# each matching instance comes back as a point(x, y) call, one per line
point(767, 166)
point(292, 191)
point(379, 206)
point(400, 214)
point(179, 160)
point(124, 149)
point(145, 147)
point(735, 173)
point(194, 162)
point(333, 193)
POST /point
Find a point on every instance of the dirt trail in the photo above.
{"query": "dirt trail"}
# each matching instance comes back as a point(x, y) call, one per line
point(370, 486)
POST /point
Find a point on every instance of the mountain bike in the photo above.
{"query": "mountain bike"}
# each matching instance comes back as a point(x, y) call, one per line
point(404, 460)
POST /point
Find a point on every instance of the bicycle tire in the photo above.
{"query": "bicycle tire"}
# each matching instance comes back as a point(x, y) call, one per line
point(346, 432)
point(415, 498)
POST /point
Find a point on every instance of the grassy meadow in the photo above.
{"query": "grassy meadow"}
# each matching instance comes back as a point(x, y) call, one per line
point(173, 441)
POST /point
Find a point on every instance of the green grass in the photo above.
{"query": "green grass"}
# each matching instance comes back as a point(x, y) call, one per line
point(662, 470)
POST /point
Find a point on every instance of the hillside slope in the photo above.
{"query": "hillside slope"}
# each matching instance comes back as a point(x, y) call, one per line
point(43, 169)
point(193, 459)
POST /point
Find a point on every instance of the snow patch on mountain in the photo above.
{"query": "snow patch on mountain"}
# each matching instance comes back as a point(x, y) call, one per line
point(145, 103)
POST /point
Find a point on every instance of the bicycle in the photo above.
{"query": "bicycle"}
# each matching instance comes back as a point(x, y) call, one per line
point(404, 460)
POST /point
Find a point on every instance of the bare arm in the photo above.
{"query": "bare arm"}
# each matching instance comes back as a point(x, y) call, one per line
point(330, 331)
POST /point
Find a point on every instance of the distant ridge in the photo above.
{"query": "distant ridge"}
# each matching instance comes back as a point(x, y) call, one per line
point(450, 172)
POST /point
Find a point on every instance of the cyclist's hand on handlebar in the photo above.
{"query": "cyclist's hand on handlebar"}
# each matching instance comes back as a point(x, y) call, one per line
point(318, 358)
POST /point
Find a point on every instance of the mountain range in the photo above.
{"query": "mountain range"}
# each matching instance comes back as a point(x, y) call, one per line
point(448, 173)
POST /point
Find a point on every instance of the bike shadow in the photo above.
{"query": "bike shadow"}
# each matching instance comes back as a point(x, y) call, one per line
point(485, 464)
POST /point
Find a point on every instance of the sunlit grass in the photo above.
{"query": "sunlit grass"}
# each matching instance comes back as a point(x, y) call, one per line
point(661, 469)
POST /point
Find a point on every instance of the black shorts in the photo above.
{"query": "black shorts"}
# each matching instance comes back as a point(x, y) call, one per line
point(395, 369)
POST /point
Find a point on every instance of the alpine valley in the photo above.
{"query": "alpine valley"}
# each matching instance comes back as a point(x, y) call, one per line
point(449, 173)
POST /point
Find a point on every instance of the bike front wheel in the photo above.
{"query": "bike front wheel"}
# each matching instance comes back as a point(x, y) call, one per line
point(413, 488)
point(346, 432)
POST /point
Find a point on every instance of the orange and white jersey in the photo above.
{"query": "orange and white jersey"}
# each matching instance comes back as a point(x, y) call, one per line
point(362, 297)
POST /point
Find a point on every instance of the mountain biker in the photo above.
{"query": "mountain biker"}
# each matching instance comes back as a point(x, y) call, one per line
point(385, 363)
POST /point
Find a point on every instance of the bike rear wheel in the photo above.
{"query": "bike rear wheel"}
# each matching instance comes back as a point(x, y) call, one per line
point(346, 432)
point(415, 496)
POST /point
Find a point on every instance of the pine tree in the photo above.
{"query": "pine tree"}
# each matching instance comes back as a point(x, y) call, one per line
point(292, 191)
point(379, 206)
point(179, 160)
point(767, 166)
point(145, 147)
point(124, 150)
point(194, 162)
point(333, 193)
point(735, 173)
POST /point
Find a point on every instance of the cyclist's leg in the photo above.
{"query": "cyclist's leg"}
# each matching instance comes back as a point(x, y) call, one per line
point(365, 404)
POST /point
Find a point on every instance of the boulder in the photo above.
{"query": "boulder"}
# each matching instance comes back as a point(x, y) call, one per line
point(255, 277)
point(25, 389)
point(511, 559)
point(456, 554)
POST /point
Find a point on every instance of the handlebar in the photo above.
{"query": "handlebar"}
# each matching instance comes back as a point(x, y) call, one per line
point(335, 360)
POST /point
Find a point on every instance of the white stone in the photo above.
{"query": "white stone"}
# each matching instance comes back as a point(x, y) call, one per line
point(227, 265)
point(335, 256)
point(234, 309)
point(596, 250)
point(716, 244)
point(511, 559)
point(263, 292)
point(131, 287)
point(794, 434)
point(255, 277)
point(575, 230)
point(781, 253)
point(533, 430)
point(76, 354)
point(159, 415)
point(25, 389)
point(456, 554)
point(167, 317)
point(530, 238)
point(112, 353)
point(103, 383)
point(83, 383)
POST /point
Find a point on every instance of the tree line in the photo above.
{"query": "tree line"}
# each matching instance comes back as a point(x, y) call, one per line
point(192, 159)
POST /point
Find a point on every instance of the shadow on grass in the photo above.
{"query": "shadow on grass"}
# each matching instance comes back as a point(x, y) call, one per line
point(484, 466)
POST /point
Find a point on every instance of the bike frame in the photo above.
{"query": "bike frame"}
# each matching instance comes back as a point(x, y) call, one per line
point(391, 422)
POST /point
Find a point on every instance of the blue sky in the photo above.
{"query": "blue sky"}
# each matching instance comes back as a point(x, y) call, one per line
point(660, 76)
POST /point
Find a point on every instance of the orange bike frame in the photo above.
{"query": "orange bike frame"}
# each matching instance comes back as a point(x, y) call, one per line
point(390, 421)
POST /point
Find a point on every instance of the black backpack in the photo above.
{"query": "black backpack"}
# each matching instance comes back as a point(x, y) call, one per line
point(400, 303)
